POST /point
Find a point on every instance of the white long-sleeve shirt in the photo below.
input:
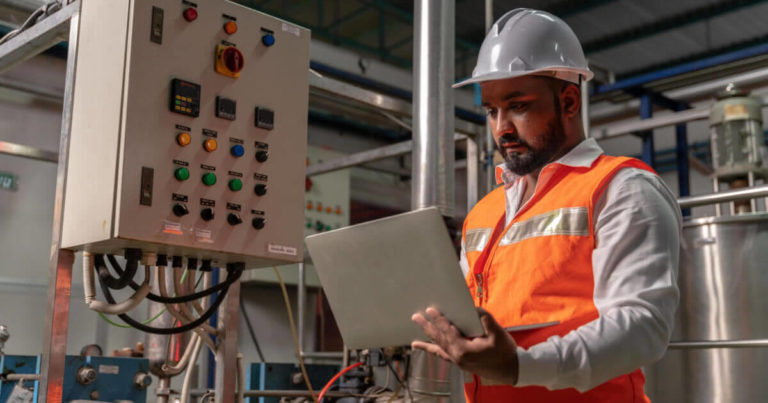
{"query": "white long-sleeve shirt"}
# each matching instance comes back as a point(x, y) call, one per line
point(635, 261)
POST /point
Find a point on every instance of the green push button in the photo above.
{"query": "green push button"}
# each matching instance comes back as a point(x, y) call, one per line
point(209, 179)
point(181, 174)
point(235, 185)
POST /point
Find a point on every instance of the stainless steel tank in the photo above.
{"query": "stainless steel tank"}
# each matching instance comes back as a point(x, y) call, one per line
point(724, 296)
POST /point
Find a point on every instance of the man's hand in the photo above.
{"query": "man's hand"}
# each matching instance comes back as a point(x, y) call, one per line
point(493, 356)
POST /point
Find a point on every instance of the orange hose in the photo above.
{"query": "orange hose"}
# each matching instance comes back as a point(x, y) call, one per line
point(336, 377)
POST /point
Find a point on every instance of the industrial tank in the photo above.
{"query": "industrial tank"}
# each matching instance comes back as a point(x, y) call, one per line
point(723, 281)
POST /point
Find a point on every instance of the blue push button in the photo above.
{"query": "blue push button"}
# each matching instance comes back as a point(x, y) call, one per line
point(237, 150)
point(268, 40)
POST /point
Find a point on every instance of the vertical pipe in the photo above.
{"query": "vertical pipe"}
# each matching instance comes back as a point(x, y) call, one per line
point(472, 174)
point(163, 390)
point(213, 322)
point(646, 111)
point(226, 347)
point(681, 158)
point(433, 121)
point(301, 296)
point(751, 183)
point(60, 262)
point(585, 106)
point(715, 189)
point(490, 175)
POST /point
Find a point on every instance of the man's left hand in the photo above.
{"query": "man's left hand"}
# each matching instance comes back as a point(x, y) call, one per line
point(492, 356)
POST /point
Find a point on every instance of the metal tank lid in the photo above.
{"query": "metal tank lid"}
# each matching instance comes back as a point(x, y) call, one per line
point(731, 219)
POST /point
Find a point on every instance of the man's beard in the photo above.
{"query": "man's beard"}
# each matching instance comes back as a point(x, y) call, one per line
point(534, 159)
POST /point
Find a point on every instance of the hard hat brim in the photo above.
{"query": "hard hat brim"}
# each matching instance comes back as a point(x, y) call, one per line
point(502, 75)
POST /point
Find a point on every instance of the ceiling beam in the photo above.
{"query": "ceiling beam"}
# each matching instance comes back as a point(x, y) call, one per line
point(336, 24)
point(722, 50)
point(568, 8)
point(666, 24)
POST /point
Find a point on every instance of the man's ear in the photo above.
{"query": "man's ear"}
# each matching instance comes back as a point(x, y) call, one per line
point(570, 100)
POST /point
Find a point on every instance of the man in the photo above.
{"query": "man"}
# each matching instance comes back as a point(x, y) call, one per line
point(581, 245)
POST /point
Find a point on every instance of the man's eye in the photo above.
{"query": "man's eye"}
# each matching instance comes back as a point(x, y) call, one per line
point(517, 107)
point(491, 112)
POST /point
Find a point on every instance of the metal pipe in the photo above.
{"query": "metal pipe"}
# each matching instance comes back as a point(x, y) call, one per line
point(323, 354)
point(226, 350)
point(472, 164)
point(722, 197)
point(585, 106)
point(52, 363)
point(163, 390)
point(693, 345)
point(433, 147)
point(351, 160)
point(276, 393)
point(301, 296)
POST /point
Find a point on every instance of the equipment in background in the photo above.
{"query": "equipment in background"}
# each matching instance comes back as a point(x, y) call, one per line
point(4, 336)
point(188, 132)
point(283, 376)
point(18, 365)
point(88, 378)
point(738, 144)
point(722, 276)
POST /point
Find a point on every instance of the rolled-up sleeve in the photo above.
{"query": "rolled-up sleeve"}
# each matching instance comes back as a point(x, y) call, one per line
point(635, 261)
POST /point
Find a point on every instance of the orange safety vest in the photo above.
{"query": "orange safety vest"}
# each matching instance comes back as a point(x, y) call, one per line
point(538, 269)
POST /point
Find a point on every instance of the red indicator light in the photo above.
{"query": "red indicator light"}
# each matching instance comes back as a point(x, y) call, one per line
point(190, 14)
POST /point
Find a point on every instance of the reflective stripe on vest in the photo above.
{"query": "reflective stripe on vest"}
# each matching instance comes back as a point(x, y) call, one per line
point(540, 270)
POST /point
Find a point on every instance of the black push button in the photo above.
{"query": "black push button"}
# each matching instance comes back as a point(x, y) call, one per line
point(260, 189)
point(207, 214)
point(258, 222)
point(234, 219)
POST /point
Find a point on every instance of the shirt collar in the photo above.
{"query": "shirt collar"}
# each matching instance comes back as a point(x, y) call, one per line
point(583, 155)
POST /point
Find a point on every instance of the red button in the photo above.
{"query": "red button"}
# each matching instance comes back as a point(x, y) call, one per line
point(190, 14)
point(233, 59)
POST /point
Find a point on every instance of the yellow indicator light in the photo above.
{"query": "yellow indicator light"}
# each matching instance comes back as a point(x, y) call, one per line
point(183, 139)
point(230, 27)
point(210, 145)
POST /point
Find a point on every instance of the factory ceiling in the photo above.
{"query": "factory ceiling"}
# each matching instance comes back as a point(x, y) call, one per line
point(622, 37)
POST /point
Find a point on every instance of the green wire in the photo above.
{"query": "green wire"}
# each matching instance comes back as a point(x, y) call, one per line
point(150, 320)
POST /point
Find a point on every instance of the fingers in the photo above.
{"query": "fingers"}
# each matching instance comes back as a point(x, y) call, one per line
point(431, 348)
point(429, 329)
point(442, 323)
point(492, 328)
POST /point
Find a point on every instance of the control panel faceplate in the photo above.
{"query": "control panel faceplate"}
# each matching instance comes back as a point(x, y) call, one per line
point(194, 143)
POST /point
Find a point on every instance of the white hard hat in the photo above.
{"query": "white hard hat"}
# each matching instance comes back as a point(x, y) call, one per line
point(525, 41)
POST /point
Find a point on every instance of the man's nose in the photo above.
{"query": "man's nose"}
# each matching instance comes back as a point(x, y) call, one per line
point(503, 125)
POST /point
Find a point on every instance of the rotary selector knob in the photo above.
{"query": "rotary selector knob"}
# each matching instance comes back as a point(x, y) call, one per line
point(180, 209)
point(258, 222)
point(234, 219)
point(207, 214)
point(262, 156)
point(260, 189)
point(233, 59)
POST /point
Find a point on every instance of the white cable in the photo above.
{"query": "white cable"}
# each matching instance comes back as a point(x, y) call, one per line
point(125, 306)
point(171, 370)
point(178, 315)
point(88, 278)
point(188, 375)
point(240, 379)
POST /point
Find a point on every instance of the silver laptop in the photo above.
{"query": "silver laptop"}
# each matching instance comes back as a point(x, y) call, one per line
point(376, 275)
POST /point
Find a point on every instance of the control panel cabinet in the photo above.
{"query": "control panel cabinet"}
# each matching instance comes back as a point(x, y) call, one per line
point(189, 129)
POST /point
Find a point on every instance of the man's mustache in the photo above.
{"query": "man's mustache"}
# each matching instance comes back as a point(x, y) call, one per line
point(509, 139)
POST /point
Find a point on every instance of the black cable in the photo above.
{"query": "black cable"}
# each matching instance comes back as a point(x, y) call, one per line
point(233, 274)
point(166, 300)
point(132, 257)
point(392, 368)
point(250, 329)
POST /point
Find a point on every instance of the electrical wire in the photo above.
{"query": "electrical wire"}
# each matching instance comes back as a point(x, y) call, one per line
point(250, 330)
point(335, 378)
point(232, 276)
point(167, 300)
point(295, 334)
point(132, 257)
point(150, 320)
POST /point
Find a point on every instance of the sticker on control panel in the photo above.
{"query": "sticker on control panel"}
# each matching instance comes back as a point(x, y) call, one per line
point(282, 250)
point(173, 228)
point(109, 369)
point(203, 235)
point(291, 29)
